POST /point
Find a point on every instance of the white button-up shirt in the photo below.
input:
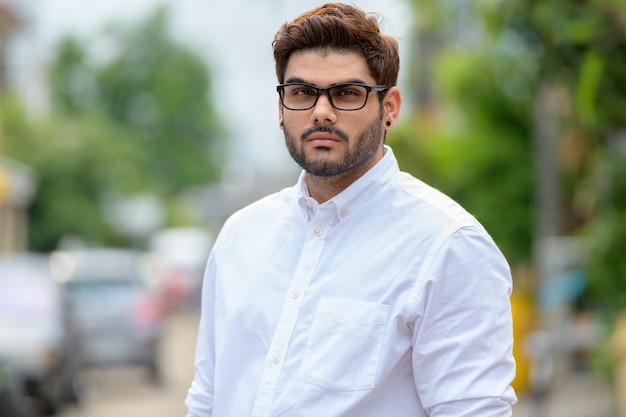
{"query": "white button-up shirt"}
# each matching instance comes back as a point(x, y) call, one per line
point(388, 300)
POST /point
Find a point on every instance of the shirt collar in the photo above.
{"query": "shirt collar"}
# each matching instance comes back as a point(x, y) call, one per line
point(357, 194)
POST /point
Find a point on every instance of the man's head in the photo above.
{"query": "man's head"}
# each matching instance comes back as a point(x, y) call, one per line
point(338, 26)
point(329, 61)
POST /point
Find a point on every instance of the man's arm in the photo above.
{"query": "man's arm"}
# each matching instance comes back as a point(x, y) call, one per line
point(462, 342)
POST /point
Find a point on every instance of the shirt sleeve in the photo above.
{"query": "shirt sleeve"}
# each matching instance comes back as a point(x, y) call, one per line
point(199, 399)
point(463, 338)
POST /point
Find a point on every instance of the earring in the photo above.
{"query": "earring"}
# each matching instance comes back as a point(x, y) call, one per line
point(388, 123)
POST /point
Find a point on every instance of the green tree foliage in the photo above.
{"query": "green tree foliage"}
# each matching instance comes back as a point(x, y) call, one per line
point(155, 87)
point(484, 64)
point(137, 118)
point(161, 89)
point(584, 52)
point(469, 133)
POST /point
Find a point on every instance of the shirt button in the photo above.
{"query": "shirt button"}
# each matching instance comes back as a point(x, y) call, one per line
point(344, 213)
point(318, 231)
point(309, 204)
point(276, 358)
point(295, 295)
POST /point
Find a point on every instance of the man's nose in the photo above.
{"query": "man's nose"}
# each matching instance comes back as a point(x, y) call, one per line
point(324, 109)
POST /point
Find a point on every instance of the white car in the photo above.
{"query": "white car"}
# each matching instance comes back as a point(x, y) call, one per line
point(39, 344)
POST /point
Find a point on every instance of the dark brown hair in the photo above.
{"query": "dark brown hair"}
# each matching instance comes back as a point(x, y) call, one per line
point(338, 26)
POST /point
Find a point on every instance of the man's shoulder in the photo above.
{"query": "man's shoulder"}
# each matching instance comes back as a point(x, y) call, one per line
point(426, 198)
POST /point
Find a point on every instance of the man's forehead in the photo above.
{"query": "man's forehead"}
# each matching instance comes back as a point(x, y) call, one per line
point(328, 66)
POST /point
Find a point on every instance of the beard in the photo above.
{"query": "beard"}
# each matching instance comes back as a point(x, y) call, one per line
point(365, 147)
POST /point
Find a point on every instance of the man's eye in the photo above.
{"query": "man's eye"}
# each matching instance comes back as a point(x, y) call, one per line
point(347, 91)
point(303, 91)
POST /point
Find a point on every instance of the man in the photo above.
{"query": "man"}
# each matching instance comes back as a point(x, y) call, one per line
point(360, 291)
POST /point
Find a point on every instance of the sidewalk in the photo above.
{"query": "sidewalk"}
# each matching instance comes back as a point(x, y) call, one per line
point(577, 394)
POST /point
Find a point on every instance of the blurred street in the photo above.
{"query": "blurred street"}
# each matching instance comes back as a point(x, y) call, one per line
point(126, 392)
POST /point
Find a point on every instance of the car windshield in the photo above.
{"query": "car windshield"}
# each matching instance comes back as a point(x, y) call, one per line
point(103, 287)
point(101, 294)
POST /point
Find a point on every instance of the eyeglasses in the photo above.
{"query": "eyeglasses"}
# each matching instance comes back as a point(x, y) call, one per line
point(347, 97)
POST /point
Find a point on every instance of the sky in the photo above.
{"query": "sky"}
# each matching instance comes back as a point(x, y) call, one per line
point(234, 36)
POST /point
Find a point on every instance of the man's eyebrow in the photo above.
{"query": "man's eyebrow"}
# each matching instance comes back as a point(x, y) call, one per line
point(352, 81)
point(299, 80)
point(296, 80)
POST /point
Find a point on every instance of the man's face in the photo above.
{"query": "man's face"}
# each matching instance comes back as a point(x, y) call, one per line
point(325, 141)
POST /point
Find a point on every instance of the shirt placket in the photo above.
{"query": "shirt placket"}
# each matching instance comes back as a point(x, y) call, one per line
point(307, 263)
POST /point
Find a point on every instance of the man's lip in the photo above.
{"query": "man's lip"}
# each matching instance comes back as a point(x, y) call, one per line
point(322, 137)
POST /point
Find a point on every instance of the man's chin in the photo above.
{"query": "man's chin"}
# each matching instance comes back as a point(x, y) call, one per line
point(324, 168)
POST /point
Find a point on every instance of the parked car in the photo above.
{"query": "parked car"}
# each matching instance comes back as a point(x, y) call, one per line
point(39, 344)
point(118, 305)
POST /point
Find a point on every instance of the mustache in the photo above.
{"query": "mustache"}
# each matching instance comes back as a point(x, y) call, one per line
point(325, 129)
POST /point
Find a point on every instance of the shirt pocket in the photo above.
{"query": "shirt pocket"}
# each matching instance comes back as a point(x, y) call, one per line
point(344, 345)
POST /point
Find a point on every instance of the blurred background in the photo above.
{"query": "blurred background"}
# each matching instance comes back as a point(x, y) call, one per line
point(129, 131)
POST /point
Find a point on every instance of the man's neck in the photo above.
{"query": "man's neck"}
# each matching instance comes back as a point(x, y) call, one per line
point(323, 189)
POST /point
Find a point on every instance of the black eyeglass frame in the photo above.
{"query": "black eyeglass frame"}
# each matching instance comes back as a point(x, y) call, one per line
point(368, 88)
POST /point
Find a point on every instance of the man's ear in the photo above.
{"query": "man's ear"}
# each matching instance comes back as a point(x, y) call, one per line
point(281, 114)
point(391, 107)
